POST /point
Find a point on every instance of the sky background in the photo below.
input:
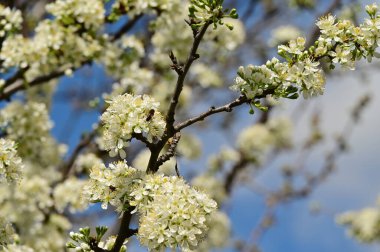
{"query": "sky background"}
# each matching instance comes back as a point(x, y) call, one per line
point(353, 186)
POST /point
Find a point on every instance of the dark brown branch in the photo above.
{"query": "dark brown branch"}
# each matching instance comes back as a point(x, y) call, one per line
point(231, 176)
point(225, 108)
point(124, 231)
point(94, 246)
point(143, 139)
point(171, 151)
point(126, 27)
point(21, 84)
point(181, 77)
point(86, 140)
point(170, 131)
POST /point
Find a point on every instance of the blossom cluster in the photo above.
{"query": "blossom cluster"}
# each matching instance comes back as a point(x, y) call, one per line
point(364, 225)
point(33, 200)
point(66, 194)
point(111, 185)
point(340, 43)
point(58, 44)
point(204, 11)
point(119, 55)
point(10, 163)
point(127, 115)
point(27, 124)
point(254, 141)
point(89, 13)
point(86, 161)
point(219, 233)
point(84, 242)
point(136, 7)
point(10, 20)
point(6, 232)
point(172, 214)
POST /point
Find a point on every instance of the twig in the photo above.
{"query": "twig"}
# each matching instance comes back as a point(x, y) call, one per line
point(213, 110)
point(86, 140)
point(231, 176)
point(21, 84)
point(140, 137)
point(171, 151)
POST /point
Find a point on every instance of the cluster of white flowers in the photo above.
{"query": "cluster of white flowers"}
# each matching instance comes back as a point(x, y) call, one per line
point(27, 124)
point(281, 129)
point(135, 78)
point(10, 163)
point(89, 13)
point(226, 38)
point(119, 55)
point(53, 47)
point(190, 146)
point(85, 162)
point(33, 200)
point(283, 34)
point(128, 114)
point(172, 213)
point(364, 225)
point(142, 159)
point(10, 20)
point(111, 185)
point(58, 44)
point(83, 241)
point(66, 194)
point(136, 7)
point(17, 248)
point(203, 11)
point(225, 156)
point(254, 141)
point(340, 43)
point(7, 233)
point(210, 185)
point(219, 233)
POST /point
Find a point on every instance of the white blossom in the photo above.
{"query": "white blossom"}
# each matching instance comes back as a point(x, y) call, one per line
point(10, 163)
point(127, 115)
point(172, 213)
point(111, 185)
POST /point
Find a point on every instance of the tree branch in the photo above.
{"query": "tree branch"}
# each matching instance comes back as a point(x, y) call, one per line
point(20, 84)
point(124, 231)
point(126, 27)
point(171, 151)
point(225, 108)
point(182, 75)
point(170, 131)
point(86, 140)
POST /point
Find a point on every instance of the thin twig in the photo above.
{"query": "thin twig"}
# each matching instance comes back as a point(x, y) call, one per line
point(86, 140)
point(171, 151)
point(213, 110)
